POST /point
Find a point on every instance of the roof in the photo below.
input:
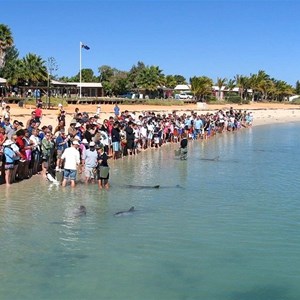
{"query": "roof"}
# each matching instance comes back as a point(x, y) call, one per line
point(83, 84)
point(55, 82)
point(89, 84)
point(2, 80)
point(182, 87)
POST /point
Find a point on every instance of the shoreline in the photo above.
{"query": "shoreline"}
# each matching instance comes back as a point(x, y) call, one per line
point(263, 113)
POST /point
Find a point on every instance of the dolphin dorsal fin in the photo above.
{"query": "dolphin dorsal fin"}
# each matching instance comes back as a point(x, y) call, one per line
point(131, 208)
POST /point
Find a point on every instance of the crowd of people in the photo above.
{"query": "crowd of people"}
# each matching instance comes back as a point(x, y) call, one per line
point(83, 147)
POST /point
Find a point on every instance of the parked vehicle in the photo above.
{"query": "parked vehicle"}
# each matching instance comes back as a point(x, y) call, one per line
point(127, 95)
point(185, 96)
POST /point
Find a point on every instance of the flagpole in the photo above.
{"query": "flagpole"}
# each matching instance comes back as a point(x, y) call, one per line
point(80, 47)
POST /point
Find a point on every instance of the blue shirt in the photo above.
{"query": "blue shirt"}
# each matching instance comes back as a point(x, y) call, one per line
point(198, 124)
point(9, 155)
point(59, 146)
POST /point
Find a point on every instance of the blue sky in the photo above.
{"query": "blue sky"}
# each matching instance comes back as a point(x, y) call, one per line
point(189, 38)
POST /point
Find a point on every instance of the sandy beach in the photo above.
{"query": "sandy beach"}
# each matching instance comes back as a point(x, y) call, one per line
point(264, 113)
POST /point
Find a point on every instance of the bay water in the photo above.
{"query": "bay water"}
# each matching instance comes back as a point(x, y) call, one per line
point(225, 228)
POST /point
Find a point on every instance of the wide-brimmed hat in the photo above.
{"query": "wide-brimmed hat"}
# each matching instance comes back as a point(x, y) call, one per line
point(84, 141)
point(8, 143)
point(92, 144)
point(75, 142)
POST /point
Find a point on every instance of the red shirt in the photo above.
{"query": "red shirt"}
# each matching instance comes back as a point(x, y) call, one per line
point(38, 112)
point(21, 144)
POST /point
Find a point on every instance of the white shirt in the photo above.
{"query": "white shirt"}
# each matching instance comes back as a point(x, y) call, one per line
point(36, 141)
point(71, 157)
point(104, 138)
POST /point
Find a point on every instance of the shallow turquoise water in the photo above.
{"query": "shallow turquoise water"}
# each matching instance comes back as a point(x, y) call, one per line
point(230, 232)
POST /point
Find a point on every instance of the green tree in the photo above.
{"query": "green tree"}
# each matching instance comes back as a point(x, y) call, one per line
point(134, 74)
point(6, 41)
point(119, 83)
point(297, 89)
point(10, 69)
point(150, 79)
point(170, 81)
point(87, 75)
point(114, 81)
point(282, 90)
point(34, 69)
point(180, 79)
point(220, 83)
point(243, 83)
point(258, 83)
point(201, 86)
point(106, 73)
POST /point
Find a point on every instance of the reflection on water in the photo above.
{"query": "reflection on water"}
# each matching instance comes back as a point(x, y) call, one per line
point(229, 231)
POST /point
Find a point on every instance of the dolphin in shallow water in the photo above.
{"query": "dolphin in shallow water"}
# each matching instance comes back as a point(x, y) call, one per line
point(81, 211)
point(211, 159)
point(142, 186)
point(125, 213)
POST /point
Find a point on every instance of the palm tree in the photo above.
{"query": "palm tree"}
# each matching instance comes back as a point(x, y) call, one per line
point(150, 79)
point(35, 69)
point(9, 68)
point(282, 90)
point(230, 85)
point(259, 83)
point(242, 83)
point(201, 86)
point(171, 81)
point(220, 83)
point(6, 41)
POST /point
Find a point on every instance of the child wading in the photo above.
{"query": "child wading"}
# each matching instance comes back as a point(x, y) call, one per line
point(102, 169)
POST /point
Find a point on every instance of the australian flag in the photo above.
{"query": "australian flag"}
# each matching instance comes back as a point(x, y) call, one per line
point(85, 47)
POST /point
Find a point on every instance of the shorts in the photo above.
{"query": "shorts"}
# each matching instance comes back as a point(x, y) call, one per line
point(70, 174)
point(9, 166)
point(103, 172)
point(59, 154)
point(130, 144)
point(90, 172)
point(116, 146)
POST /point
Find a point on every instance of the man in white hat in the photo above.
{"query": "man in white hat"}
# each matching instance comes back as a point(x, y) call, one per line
point(71, 160)
point(89, 162)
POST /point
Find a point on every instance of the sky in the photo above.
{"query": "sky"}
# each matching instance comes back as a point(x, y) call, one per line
point(188, 38)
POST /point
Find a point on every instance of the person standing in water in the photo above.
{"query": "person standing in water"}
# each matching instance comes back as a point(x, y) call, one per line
point(183, 147)
point(71, 160)
point(102, 169)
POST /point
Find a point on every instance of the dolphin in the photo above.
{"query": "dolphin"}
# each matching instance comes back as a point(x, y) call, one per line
point(171, 186)
point(142, 186)
point(211, 159)
point(81, 211)
point(125, 212)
